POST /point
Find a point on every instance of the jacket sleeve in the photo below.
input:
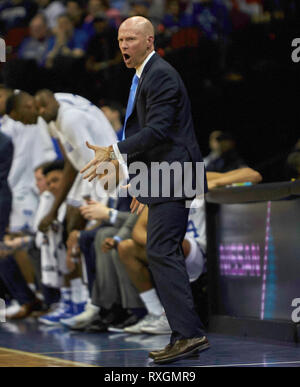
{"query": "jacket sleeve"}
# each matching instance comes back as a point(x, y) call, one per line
point(161, 95)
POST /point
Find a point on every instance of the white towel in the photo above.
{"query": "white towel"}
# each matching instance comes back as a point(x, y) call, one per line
point(53, 255)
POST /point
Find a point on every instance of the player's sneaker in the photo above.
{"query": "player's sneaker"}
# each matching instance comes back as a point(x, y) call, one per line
point(160, 326)
point(63, 311)
point(82, 320)
point(129, 320)
point(137, 328)
point(78, 308)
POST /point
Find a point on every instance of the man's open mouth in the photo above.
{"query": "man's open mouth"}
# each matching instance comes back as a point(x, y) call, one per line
point(126, 56)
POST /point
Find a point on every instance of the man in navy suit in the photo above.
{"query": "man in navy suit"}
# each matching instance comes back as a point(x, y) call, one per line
point(159, 128)
point(6, 157)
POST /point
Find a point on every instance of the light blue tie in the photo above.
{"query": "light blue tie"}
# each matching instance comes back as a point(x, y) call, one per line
point(133, 88)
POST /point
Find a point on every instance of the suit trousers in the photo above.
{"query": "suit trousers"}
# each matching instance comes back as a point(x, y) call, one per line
point(167, 224)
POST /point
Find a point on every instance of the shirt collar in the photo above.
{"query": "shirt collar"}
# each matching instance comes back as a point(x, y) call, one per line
point(140, 69)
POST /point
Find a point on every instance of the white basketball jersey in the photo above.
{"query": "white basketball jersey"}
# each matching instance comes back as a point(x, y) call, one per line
point(197, 223)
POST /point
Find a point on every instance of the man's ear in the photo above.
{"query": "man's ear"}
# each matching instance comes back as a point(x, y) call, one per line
point(150, 41)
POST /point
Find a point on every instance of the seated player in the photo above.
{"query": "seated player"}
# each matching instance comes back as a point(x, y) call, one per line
point(132, 253)
point(64, 113)
point(110, 290)
point(20, 306)
point(45, 199)
point(55, 273)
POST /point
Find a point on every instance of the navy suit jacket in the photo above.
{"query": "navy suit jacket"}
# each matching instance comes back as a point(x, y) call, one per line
point(160, 127)
point(6, 157)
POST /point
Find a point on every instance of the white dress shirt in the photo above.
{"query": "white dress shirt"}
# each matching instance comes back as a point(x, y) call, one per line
point(139, 71)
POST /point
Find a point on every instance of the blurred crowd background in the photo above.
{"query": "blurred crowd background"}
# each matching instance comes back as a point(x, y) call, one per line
point(234, 56)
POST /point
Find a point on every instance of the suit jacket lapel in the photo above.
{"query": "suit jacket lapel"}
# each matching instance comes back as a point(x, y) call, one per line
point(146, 68)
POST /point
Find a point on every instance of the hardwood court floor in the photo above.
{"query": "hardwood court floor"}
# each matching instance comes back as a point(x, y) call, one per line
point(14, 358)
point(29, 344)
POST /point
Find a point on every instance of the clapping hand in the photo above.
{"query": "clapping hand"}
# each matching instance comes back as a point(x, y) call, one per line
point(101, 154)
point(110, 179)
point(136, 205)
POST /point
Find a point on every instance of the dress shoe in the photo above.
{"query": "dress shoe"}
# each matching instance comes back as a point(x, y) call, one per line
point(26, 309)
point(160, 352)
point(182, 349)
